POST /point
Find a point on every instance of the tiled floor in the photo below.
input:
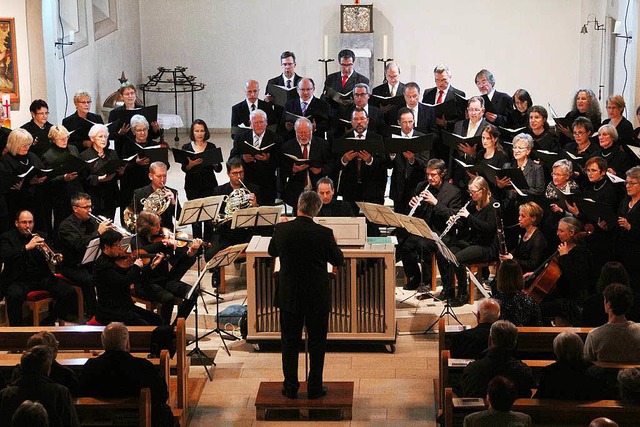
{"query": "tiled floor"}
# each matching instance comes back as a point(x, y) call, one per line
point(389, 389)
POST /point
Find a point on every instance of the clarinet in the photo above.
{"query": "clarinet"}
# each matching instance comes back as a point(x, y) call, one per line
point(500, 229)
point(451, 222)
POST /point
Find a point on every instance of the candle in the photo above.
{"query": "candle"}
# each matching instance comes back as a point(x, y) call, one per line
point(326, 46)
point(384, 47)
point(72, 36)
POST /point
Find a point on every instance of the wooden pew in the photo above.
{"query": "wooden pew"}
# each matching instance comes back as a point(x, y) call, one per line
point(85, 341)
point(90, 408)
point(548, 411)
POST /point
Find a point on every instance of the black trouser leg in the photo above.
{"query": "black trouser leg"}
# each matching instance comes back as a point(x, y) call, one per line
point(291, 337)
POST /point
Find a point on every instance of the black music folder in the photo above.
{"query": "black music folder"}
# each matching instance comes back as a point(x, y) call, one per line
point(589, 209)
point(454, 141)
point(415, 144)
point(290, 117)
point(484, 169)
point(515, 175)
point(550, 157)
point(386, 102)
point(113, 165)
point(508, 134)
point(154, 154)
point(633, 153)
point(371, 145)
point(564, 122)
point(340, 98)
point(150, 113)
point(448, 109)
point(246, 147)
point(69, 164)
point(281, 94)
point(209, 157)
point(314, 163)
point(33, 172)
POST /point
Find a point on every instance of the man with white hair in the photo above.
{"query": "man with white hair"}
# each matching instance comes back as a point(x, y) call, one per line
point(470, 343)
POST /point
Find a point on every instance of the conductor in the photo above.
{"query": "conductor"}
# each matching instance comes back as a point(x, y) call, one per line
point(303, 294)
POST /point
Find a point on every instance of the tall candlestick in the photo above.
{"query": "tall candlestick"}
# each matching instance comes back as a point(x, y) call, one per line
point(326, 46)
point(384, 46)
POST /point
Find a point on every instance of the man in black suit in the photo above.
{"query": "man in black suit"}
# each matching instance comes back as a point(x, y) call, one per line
point(240, 112)
point(316, 109)
point(81, 121)
point(300, 176)
point(158, 177)
point(330, 205)
point(424, 118)
point(436, 204)
point(117, 373)
point(408, 167)
point(363, 174)
point(392, 86)
point(361, 95)
point(345, 80)
point(288, 79)
point(473, 126)
point(470, 343)
point(259, 169)
point(498, 104)
point(303, 293)
point(443, 92)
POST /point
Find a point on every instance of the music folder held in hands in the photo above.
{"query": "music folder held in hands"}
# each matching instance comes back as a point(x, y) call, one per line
point(415, 144)
point(448, 109)
point(150, 113)
point(209, 157)
point(371, 145)
point(281, 94)
point(454, 141)
point(515, 175)
point(198, 210)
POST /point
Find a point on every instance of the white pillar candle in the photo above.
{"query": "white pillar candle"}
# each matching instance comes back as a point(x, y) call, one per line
point(384, 47)
point(326, 46)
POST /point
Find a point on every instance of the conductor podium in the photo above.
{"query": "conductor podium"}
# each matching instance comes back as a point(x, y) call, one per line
point(362, 294)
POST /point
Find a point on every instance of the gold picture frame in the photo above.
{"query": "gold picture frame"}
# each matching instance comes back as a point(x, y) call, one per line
point(8, 59)
point(356, 18)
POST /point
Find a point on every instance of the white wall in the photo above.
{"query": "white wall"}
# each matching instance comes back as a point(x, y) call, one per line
point(530, 44)
point(16, 9)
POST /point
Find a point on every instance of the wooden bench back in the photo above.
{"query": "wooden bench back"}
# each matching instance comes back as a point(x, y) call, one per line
point(91, 409)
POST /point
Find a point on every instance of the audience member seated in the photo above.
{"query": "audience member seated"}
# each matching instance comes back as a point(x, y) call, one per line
point(629, 385)
point(515, 306)
point(501, 393)
point(471, 343)
point(569, 378)
point(619, 339)
point(603, 422)
point(498, 360)
point(59, 374)
point(35, 385)
point(116, 373)
point(30, 414)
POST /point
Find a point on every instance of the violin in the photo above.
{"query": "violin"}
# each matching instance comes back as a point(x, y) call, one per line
point(126, 259)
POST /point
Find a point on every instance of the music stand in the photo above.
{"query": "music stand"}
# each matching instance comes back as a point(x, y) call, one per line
point(199, 210)
point(93, 249)
point(256, 217)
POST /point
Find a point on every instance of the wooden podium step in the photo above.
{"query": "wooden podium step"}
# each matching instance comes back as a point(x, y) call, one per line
point(336, 405)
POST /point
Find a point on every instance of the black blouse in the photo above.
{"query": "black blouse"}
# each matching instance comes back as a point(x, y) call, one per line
point(530, 253)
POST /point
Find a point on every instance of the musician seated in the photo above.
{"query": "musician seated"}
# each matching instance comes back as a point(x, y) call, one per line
point(114, 272)
point(530, 251)
point(471, 343)
point(159, 282)
point(240, 196)
point(157, 187)
point(26, 269)
point(564, 300)
point(619, 339)
point(330, 205)
point(74, 235)
point(515, 306)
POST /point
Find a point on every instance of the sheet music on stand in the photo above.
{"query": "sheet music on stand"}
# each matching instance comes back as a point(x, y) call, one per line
point(221, 259)
point(93, 249)
point(198, 210)
point(380, 214)
point(256, 217)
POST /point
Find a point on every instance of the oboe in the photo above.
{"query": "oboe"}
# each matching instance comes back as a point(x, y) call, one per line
point(451, 222)
point(421, 195)
point(500, 229)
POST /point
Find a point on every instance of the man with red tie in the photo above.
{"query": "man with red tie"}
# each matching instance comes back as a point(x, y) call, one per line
point(444, 92)
point(344, 80)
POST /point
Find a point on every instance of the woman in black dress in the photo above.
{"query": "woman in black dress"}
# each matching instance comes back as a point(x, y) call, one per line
point(629, 228)
point(519, 116)
point(611, 150)
point(615, 107)
point(200, 179)
point(530, 252)
point(39, 127)
point(582, 145)
point(515, 306)
point(538, 128)
point(585, 104)
point(103, 187)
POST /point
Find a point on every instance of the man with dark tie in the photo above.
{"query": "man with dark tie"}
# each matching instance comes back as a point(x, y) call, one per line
point(361, 95)
point(392, 86)
point(443, 92)
point(344, 81)
point(309, 106)
point(363, 175)
point(423, 116)
point(288, 79)
point(330, 205)
point(500, 102)
point(300, 175)
point(259, 169)
point(240, 112)
point(408, 167)
point(303, 294)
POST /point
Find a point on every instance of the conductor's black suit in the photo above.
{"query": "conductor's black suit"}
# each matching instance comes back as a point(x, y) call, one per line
point(303, 294)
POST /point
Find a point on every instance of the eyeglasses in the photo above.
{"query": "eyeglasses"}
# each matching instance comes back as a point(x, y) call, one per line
point(42, 113)
point(519, 148)
point(579, 132)
point(287, 64)
point(306, 89)
point(474, 192)
point(237, 173)
point(85, 207)
point(140, 130)
point(85, 102)
point(346, 65)
point(631, 183)
point(360, 95)
point(474, 110)
point(556, 175)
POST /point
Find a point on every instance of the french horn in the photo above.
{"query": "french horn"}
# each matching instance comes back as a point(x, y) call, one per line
point(157, 202)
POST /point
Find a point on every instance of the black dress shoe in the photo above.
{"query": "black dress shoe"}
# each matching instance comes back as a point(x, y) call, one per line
point(315, 394)
point(290, 394)
point(457, 302)
point(412, 285)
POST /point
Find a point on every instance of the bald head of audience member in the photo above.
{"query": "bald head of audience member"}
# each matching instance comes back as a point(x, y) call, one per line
point(503, 334)
point(115, 337)
point(488, 310)
point(603, 422)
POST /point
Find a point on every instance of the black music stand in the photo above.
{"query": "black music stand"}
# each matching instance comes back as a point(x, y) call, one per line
point(263, 216)
point(200, 210)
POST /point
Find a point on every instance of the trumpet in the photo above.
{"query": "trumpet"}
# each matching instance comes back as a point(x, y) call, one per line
point(100, 219)
point(52, 257)
point(451, 222)
point(421, 195)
